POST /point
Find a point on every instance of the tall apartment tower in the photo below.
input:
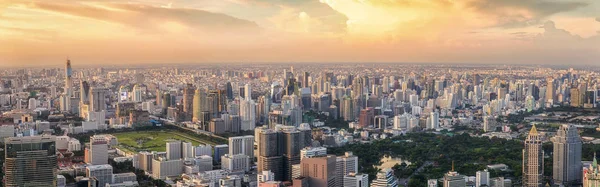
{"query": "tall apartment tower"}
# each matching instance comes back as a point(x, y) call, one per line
point(566, 166)
point(533, 160)
point(30, 161)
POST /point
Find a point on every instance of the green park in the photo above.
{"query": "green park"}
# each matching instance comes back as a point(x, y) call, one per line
point(154, 140)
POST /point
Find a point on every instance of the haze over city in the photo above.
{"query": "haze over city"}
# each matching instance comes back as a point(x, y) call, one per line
point(38, 32)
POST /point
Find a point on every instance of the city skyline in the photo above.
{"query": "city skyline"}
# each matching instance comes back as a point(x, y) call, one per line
point(243, 31)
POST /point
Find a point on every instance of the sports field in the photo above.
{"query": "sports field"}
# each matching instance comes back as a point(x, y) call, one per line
point(154, 140)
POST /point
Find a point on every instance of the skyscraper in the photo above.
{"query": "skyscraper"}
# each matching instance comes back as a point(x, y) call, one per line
point(320, 170)
point(199, 104)
point(566, 166)
point(98, 152)
point(30, 161)
point(174, 150)
point(188, 97)
point(248, 92)
point(242, 145)
point(550, 90)
point(97, 99)
point(533, 160)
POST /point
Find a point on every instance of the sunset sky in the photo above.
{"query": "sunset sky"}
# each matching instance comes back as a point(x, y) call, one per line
point(46, 32)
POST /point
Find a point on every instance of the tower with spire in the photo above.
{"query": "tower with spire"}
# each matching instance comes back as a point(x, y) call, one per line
point(591, 174)
point(533, 160)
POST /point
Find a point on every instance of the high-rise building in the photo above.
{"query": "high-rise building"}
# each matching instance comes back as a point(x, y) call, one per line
point(356, 180)
point(229, 90)
point(248, 92)
point(550, 91)
point(97, 99)
point(345, 165)
point(269, 153)
point(188, 97)
point(242, 145)
point(533, 160)
point(199, 104)
point(137, 94)
point(248, 114)
point(320, 170)
point(385, 178)
point(30, 161)
point(239, 162)
point(482, 178)
point(566, 166)
point(98, 152)
point(102, 173)
point(174, 150)
point(187, 150)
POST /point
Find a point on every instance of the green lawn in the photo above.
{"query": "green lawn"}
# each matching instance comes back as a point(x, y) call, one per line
point(153, 140)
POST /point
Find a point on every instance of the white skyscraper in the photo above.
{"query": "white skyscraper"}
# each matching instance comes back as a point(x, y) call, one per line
point(242, 145)
point(248, 92)
point(248, 114)
point(137, 93)
point(103, 173)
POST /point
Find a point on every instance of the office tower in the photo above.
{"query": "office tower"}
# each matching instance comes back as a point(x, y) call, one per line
point(229, 90)
point(550, 91)
point(385, 178)
point(566, 166)
point(98, 151)
point(242, 145)
point(199, 104)
point(84, 92)
point(533, 160)
point(174, 150)
point(591, 174)
point(68, 75)
point(320, 170)
point(576, 100)
point(366, 117)
point(292, 144)
point(239, 162)
point(356, 180)
point(30, 161)
point(97, 99)
point(269, 153)
point(348, 108)
point(188, 97)
point(219, 151)
point(248, 92)
point(482, 178)
point(102, 173)
point(216, 125)
point(305, 80)
point(137, 94)
point(345, 165)
point(453, 179)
